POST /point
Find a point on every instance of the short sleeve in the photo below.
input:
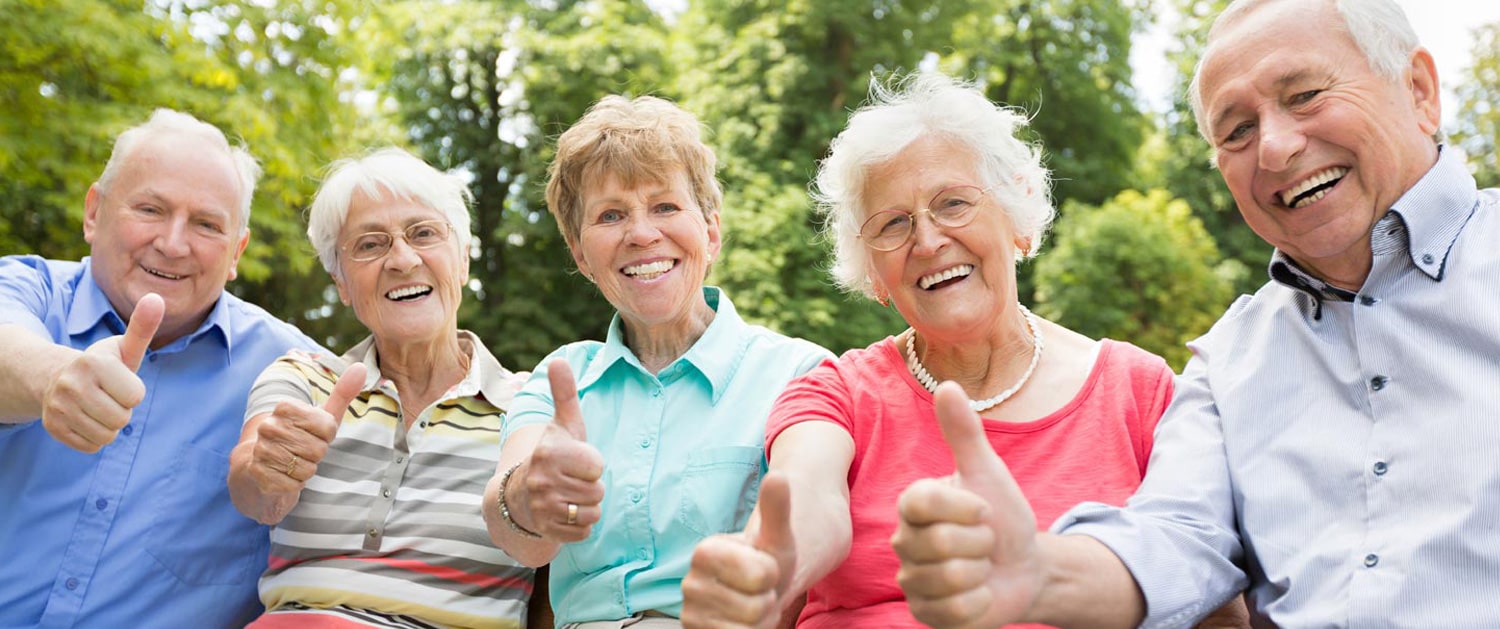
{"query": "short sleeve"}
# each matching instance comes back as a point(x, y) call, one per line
point(24, 287)
point(818, 395)
point(281, 380)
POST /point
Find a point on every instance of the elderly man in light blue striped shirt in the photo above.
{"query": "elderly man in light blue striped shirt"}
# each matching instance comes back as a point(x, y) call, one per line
point(1331, 448)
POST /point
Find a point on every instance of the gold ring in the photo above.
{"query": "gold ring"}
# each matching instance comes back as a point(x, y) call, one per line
point(572, 513)
point(291, 465)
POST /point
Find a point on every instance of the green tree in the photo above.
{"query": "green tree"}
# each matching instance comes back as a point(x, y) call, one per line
point(1478, 119)
point(1140, 268)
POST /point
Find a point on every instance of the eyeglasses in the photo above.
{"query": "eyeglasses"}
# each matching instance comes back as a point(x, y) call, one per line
point(374, 245)
point(953, 206)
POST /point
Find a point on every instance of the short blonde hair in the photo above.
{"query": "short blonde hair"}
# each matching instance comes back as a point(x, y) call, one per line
point(638, 140)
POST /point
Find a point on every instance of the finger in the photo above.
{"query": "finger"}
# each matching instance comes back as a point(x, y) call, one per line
point(932, 501)
point(960, 609)
point(963, 431)
point(775, 534)
point(144, 321)
point(943, 541)
point(936, 580)
point(344, 391)
point(731, 562)
point(566, 412)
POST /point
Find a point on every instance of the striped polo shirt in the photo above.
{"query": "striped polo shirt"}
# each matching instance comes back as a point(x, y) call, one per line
point(391, 523)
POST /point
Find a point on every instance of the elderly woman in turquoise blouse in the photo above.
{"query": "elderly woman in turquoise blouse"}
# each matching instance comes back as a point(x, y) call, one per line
point(614, 477)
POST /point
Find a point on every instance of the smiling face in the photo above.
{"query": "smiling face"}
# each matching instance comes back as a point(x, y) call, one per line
point(168, 224)
point(406, 296)
point(647, 247)
point(949, 283)
point(1313, 144)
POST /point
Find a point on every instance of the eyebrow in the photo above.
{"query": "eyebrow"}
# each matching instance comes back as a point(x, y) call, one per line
point(371, 226)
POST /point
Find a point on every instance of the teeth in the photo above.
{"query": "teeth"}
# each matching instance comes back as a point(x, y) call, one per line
point(166, 275)
point(650, 270)
point(929, 281)
point(1289, 197)
point(409, 291)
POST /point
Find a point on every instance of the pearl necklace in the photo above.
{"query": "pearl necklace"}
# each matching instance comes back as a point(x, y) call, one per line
point(930, 383)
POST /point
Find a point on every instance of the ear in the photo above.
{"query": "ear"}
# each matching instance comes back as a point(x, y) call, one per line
point(1023, 246)
point(91, 213)
point(574, 247)
point(338, 282)
point(239, 249)
point(1425, 91)
point(715, 237)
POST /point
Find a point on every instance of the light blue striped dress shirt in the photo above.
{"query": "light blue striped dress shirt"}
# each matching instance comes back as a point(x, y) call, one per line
point(1341, 459)
point(683, 450)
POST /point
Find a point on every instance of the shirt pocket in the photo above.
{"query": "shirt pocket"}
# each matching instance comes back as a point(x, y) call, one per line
point(196, 533)
point(719, 488)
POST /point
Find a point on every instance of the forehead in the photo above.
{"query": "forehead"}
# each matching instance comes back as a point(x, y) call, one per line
point(1276, 42)
point(610, 186)
point(927, 165)
point(385, 211)
point(180, 170)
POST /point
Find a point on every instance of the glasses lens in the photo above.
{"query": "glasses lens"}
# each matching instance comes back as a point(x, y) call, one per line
point(369, 246)
point(427, 234)
point(954, 207)
point(886, 230)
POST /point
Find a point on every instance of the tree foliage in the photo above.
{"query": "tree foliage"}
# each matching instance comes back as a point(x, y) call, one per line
point(1478, 119)
point(1140, 268)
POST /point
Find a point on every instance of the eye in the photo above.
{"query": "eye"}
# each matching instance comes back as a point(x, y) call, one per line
point(368, 243)
point(611, 216)
point(210, 227)
point(893, 222)
point(666, 208)
point(1237, 134)
point(1302, 98)
point(424, 234)
point(150, 210)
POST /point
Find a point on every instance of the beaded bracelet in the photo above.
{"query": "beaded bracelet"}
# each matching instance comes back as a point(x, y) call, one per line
point(505, 510)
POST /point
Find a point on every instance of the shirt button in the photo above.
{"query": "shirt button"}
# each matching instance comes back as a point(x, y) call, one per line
point(71, 583)
point(128, 429)
point(1368, 300)
point(1380, 468)
point(635, 496)
point(1371, 559)
point(372, 532)
point(1427, 258)
point(101, 504)
point(1378, 382)
point(386, 493)
point(400, 459)
point(642, 554)
point(153, 357)
point(656, 393)
point(645, 443)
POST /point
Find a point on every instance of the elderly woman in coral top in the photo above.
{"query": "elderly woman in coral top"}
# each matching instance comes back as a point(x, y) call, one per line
point(931, 200)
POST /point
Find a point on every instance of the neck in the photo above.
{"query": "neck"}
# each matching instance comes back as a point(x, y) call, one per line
point(657, 346)
point(990, 370)
point(422, 371)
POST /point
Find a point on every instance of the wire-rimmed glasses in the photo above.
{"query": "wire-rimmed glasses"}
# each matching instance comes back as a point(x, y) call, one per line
point(953, 206)
point(374, 245)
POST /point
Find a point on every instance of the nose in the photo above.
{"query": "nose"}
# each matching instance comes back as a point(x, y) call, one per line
point(402, 257)
point(927, 236)
point(1281, 140)
point(641, 230)
point(173, 240)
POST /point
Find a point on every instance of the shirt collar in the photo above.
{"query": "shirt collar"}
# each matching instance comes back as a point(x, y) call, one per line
point(716, 354)
point(1425, 222)
point(91, 308)
point(486, 377)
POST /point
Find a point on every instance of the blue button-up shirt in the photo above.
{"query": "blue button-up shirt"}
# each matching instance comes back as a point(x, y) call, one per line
point(141, 534)
point(1339, 458)
point(683, 452)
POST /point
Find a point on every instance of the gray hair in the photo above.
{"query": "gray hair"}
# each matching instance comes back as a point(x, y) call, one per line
point(1378, 27)
point(168, 122)
point(899, 113)
point(388, 171)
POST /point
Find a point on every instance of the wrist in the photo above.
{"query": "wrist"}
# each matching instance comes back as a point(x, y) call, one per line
point(501, 505)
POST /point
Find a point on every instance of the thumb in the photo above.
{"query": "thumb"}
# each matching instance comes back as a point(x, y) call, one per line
point(344, 391)
point(977, 463)
point(775, 533)
point(144, 321)
point(566, 413)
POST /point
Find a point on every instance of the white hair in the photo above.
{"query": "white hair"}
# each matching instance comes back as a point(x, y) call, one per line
point(928, 104)
point(388, 171)
point(165, 122)
point(1378, 27)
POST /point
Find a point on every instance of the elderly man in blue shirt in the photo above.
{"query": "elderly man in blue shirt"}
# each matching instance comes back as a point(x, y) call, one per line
point(123, 378)
point(1332, 444)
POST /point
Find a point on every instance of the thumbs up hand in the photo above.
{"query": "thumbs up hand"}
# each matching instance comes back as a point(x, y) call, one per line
point(90, 398)
point(738, 579)
point(560, 484)
point(967, 542)
point(293, 438)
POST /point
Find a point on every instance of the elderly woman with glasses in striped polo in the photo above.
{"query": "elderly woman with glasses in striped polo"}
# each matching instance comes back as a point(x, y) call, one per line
point(930, 200)
point(372, 466)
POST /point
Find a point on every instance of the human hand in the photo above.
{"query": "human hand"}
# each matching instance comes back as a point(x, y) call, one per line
point(292, 440)
point(967, 542)
point(559, 485)
point(90, 399)
point(738, 579)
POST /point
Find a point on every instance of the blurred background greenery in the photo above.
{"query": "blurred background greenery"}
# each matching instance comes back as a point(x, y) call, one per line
point(1148, 247)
